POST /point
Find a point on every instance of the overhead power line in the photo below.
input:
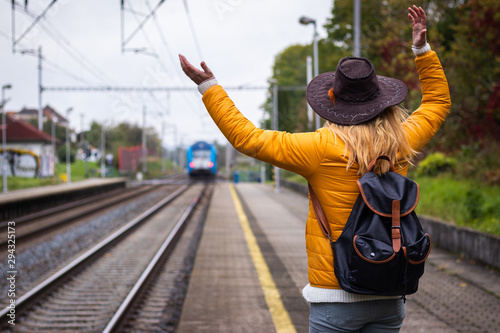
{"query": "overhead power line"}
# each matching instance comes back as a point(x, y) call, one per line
point(3, 34)
point(69, 74)
point(15, 42)
point(141, 24)
point(162, 36)
point(155, 89)
point(173, 62)
point(193, 32)
point(66, 45)
point(146, 37)
point(154, 53)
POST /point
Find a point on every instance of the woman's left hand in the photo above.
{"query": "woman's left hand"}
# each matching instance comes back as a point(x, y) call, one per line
point(419, 23)
point(196, 75)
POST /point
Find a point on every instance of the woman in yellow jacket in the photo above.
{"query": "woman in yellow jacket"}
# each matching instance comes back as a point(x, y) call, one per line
point(363, 122)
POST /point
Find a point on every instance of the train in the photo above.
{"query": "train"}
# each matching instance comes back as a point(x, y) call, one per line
point(202, 159)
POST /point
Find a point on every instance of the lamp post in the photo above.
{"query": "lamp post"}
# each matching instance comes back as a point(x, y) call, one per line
point(68, 169)
point(144, 151)
point(53, 138)
point(275, 127)
point(309, 77)
point(175, 156)
point(4, 139)
point(357, 28)
point(103, 148)
point(162, 154)
point(305, 21)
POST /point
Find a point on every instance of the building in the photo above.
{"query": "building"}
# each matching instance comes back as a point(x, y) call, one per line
point(48, 114)
point(29, 151)
point(51, 114)
point(26, 114)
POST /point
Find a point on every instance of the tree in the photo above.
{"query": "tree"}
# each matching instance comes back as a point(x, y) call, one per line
point(465, 35)
point(386, 39)
point(122, 135)
point(290, 71)
point(473, 58)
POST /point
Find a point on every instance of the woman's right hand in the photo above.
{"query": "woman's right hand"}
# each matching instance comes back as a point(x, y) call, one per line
point(419, 23)
point(196, 75)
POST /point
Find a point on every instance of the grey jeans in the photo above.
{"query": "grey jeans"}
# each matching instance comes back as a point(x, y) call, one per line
point(365, 317)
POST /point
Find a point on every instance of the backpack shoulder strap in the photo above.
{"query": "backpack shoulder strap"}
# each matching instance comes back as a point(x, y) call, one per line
point(381, 157)
point(320, 214)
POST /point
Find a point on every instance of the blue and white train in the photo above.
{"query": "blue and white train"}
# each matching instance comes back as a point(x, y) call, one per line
point(201, 159)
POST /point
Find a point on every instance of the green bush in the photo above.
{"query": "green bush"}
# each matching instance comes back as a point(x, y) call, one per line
point(61, 154)
point(435, 164)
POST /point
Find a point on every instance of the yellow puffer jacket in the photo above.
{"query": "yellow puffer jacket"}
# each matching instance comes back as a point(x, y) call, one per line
point(318, 157)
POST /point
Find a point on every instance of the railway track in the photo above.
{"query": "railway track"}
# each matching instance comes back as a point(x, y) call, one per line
point(97, 291)
point(36, 225)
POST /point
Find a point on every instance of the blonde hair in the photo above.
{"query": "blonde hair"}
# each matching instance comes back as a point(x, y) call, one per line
point(383, 135)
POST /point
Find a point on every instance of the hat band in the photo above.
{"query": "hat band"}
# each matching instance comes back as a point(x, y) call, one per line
point(358, 100)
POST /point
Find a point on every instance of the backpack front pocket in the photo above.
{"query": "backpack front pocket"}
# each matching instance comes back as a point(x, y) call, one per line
point(419, 251)
point(373, 250)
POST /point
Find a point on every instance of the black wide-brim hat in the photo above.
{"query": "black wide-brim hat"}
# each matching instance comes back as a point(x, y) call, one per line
point(354, 93)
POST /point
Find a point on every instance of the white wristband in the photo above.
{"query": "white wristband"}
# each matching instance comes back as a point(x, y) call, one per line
point(207, 84)
point(421, 50)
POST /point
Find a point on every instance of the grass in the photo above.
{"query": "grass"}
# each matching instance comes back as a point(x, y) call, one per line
point(17, 183)
point(78, 170)
point(463, 202)
point(154, 168)
point(77, 174)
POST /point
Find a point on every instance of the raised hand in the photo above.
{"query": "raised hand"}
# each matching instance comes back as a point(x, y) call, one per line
point(196, 75)
point(419, 23)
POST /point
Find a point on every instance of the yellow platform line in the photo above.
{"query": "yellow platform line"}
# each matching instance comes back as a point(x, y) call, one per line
point(281, 318)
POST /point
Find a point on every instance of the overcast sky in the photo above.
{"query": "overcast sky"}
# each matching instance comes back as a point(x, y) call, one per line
point(81, 46)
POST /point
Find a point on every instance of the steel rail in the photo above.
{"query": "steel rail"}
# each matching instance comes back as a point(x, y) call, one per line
point(70, 205)
point(143, 281)
point(29, 298)
point(60, 208)
point(38, 231)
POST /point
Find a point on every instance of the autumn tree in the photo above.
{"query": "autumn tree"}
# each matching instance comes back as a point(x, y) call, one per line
point(473, 58)
point(465, 35)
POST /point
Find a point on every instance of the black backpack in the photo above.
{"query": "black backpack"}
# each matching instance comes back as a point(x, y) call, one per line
point(382, 249)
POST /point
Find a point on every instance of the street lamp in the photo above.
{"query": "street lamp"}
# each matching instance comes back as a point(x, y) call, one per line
point(275, 127)
point(144, 147)
point(103, 148)
point(357, 28)
point(162, 154)
point(4, 139)
point(305, 21)
point(68, 169)
point(53, 125)
point(176, 157)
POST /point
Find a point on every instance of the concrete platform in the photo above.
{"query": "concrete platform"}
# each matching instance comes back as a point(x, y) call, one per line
point(19, 203)
point(226, 293)
point(44, 191)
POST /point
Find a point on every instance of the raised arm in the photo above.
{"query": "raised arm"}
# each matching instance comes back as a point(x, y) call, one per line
point(423, 124)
